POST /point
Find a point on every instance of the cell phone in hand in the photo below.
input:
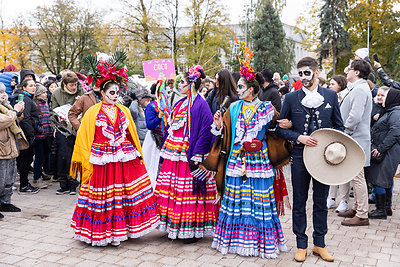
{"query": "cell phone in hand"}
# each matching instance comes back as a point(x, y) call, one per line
point(20, 98)
point(375, 56)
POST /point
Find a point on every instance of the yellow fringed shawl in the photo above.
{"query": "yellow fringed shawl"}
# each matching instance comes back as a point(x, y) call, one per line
point(80, 165)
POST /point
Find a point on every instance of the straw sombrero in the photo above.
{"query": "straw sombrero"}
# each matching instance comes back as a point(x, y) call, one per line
point(337, 158)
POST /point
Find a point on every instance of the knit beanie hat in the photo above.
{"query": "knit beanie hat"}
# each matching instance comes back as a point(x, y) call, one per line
point(362, 53)
point(40, 89)
point(285, 77)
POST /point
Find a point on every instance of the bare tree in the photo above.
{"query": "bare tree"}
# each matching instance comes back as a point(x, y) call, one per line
point(64, 35)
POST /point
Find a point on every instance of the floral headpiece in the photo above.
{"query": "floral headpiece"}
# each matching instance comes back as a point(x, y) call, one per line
point(100, 69)
point(194, 73)
point(244, 58)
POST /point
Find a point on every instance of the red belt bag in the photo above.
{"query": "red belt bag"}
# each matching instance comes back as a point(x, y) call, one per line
point(253, 146)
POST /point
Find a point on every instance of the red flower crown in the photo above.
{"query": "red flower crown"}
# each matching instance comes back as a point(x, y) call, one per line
point(100, 70)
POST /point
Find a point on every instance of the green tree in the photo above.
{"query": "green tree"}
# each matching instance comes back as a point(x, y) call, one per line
point(334, 38)
point(271, 49)
point(384, 31)
point(208, 37)
point(65, 34)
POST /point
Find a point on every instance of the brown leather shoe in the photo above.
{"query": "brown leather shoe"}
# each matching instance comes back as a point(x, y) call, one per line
point(323, 254)
point(355, 221)
point(347, 214)
point(300, 255)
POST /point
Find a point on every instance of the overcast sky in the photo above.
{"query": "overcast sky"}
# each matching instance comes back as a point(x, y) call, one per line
point(10, 9)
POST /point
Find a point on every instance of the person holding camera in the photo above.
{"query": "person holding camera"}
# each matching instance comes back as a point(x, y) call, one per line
point(385, 78)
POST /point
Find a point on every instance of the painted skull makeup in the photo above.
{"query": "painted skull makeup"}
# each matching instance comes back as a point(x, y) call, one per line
point(111, 96)
point(307, 76)
point(243, 91)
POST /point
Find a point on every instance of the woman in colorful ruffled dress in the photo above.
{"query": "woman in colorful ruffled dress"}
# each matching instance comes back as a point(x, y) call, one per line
point(156, 119)
point(116, 199)
point(248, 222)
point(186, 203)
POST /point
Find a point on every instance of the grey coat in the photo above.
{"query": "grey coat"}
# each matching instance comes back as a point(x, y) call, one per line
point(386, 137)
point(139, 119)
point(356, 109)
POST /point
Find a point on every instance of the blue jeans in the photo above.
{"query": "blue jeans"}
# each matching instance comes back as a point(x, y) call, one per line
point(301, 183)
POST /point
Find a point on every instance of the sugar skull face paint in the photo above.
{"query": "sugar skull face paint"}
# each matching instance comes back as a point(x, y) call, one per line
point(243, 91)
point(307, 76)
point(111, 96)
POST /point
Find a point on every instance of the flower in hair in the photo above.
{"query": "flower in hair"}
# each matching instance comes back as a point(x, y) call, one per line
point(244, 58)
point(194, 73)
point(102, 68)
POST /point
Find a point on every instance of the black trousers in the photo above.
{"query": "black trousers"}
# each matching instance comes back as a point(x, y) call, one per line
point(24, 162)
point(301, 184)
point(65, 147)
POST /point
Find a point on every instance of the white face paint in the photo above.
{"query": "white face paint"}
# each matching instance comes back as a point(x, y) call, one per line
point(307, 76)
point(243, 90)
point(111, 96)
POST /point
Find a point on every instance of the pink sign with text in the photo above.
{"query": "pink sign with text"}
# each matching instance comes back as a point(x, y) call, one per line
point(159, 69)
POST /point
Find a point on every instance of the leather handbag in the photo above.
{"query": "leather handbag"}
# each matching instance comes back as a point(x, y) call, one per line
point(253, 146)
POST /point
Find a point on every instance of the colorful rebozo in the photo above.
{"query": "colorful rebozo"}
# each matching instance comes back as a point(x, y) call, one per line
point(116, 199)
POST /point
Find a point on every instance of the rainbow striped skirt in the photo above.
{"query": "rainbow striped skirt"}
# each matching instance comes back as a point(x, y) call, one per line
point(117, 203)
point(248, 223)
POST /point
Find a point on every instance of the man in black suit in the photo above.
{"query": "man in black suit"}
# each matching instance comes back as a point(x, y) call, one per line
point(309, 108)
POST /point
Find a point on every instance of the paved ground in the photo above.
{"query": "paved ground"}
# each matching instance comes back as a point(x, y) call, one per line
point(40, 235)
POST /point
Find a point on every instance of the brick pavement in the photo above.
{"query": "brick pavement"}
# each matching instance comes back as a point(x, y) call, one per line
point(40, 235)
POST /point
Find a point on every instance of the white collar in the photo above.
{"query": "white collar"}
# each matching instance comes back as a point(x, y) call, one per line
point(313, 99)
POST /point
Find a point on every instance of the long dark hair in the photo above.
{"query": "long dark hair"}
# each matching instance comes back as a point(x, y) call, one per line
point(226, 85)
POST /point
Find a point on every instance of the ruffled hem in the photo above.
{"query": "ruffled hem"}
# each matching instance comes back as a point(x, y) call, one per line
point(262, 119)
point(174, 157)
point(249, 251)
point(199, 157)
point(119, 156)
point(214, 130)
point(107, 241)
point(163, 228)
point(237, 172)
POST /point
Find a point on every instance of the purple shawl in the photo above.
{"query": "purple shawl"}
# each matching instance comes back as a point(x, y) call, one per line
point(201, 139)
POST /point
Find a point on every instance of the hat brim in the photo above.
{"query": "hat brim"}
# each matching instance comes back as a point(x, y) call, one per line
point(322, 171)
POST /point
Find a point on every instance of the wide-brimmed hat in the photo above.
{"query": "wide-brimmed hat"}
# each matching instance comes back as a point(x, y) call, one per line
point(337, 158)
point(143, 93)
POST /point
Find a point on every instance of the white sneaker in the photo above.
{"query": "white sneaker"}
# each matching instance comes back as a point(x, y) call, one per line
point(330, 203)
point(343, 206)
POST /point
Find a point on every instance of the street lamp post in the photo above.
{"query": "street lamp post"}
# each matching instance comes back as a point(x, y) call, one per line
point(368, 35)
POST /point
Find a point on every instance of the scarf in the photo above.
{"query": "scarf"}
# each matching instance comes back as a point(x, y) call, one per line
point(4, 108)
point(392, 99)
point(80, 165)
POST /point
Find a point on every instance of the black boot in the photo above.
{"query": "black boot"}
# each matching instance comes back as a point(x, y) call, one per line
point(389, 202)
point(380, 212)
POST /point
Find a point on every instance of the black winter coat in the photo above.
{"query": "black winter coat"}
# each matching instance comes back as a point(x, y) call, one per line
point(212, 101)
point(31, 116)
point(385, 135)
point(271, 93)
point(386, 80)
